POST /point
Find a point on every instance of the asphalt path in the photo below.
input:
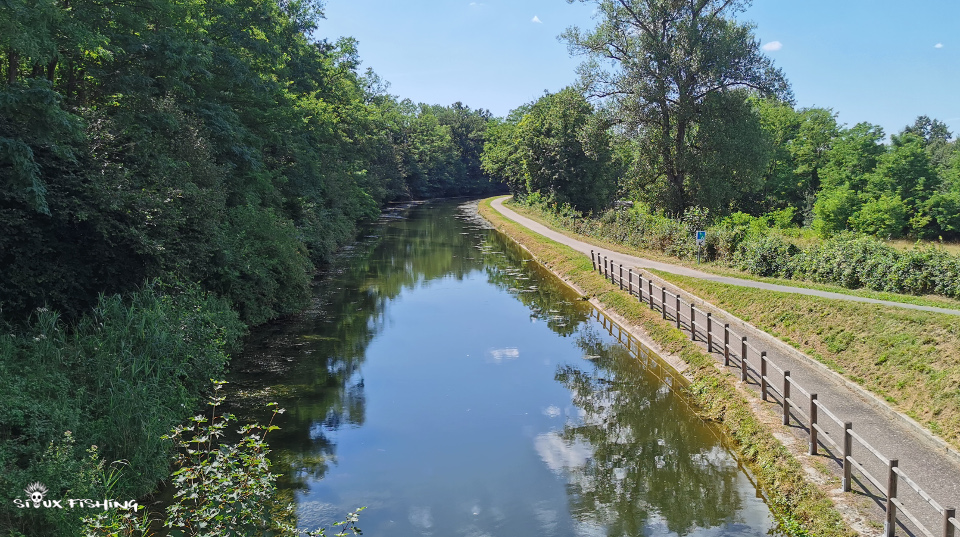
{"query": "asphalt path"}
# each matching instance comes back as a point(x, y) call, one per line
point(924, 458)
point(640, 262)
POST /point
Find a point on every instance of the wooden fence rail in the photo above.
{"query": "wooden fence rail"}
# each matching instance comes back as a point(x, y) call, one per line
point(784, 395)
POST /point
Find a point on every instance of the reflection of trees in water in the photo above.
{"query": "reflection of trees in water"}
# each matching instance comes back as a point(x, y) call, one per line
point(650, 463)
point(311, 362)
point(549, 299)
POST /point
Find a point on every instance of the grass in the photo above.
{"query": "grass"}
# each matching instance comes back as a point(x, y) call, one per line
point(909, 358)
point(723, 270)
point(801, 507)
point(904, 244)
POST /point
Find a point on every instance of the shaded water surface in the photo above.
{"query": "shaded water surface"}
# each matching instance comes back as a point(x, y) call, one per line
point(452, 386)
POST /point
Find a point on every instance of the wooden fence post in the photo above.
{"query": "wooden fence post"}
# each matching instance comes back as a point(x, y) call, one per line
point(663, 303)
point(677, 311)
point(813, 422)
point(763, 375)
point(948, 528)
point(709, 333)
point(650, 292)
point(890, 525)
point(786, 397)
point(726, 344)
point(630, 283)
point(693, 323)
point(593, 260)
point(743, 359)
point(640, 287)
point(605, 272)
point(621, 276)
point(847, 455)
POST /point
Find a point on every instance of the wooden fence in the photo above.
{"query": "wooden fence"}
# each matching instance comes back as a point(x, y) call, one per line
point(798, 404)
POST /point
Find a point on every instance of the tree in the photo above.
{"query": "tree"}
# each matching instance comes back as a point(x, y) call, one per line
point(818, 128)
point(566, 153)
point(658, 61)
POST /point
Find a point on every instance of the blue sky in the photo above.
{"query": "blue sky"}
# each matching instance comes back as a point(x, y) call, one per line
point(882, 61)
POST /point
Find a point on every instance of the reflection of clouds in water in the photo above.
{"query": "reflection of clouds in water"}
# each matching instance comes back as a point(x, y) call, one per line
point(558, 454)
point(587, 528)
point(547, 517)
point(473, 531)
point(499, 355)
point(421, 518)
point(716, 457)
point(313, 514)
point(551, 411)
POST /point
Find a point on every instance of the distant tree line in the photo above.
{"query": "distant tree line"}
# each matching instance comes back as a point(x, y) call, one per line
point(678, 109)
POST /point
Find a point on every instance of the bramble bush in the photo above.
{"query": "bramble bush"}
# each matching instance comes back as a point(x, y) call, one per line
point(762, 245)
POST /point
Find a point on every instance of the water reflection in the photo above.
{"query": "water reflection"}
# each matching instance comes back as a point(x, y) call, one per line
point(637, 458)
point(456, 388)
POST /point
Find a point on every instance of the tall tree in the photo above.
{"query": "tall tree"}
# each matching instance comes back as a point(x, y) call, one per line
point(658, 62)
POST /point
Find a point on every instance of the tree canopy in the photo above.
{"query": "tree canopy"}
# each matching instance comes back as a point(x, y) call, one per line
point(660, 64)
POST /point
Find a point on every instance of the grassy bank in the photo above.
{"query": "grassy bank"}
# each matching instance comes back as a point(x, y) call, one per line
point(848, 264)
point(801, 507)
point(910, 358)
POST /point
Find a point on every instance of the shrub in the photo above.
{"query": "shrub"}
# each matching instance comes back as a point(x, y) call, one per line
point(124, 375)
point(769, 255)
point(220, 488)
point(884, 217)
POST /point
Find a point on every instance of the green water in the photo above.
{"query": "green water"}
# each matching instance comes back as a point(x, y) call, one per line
point(452, 386)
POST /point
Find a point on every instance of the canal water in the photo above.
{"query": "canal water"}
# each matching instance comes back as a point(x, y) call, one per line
point(452, 386)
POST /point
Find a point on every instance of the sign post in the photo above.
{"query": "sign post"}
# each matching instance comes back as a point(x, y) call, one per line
point(701, 238)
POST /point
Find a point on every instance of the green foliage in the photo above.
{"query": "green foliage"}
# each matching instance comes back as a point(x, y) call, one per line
point(833, 210)
point(220, 487)
point(883, 217)
point(557, 148)
point(768, 255)
point(126, 373)
point(265, 270)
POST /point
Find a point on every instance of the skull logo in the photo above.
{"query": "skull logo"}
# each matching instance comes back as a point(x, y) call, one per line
point(36, 492)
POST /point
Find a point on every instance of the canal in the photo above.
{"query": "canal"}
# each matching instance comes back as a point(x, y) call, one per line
point(452, 386)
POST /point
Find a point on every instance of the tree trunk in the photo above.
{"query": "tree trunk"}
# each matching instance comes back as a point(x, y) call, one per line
point(52, 69)
point(13, 65)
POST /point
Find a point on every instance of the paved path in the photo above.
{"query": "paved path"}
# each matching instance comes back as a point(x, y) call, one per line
point(927, 463)
point(640, 262)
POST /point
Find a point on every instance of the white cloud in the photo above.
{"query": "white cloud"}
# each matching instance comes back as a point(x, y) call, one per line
point(476, 4)
point(536, 19)
point(772, 46)
point(938, 45)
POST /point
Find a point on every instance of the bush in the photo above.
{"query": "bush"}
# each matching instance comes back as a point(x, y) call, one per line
point(769, 255)
point(219, 488)
point(885, 217)
point(127, 373)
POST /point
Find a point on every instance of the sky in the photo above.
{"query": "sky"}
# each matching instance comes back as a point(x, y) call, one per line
point(881, 61)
